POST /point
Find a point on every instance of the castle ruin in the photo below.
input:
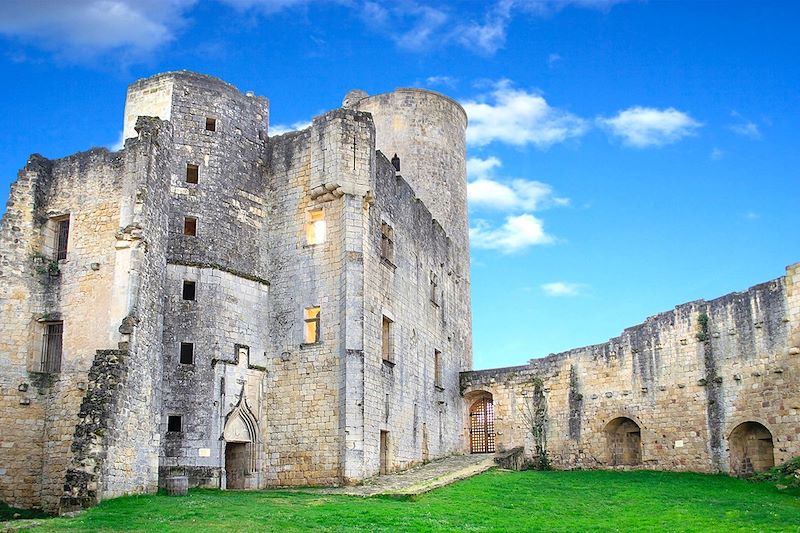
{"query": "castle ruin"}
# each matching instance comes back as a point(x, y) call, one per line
point(258, 311)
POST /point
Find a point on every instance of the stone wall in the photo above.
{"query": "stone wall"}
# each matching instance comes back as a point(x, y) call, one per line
point(687, 378)
point(39, 411)
point(402, 398)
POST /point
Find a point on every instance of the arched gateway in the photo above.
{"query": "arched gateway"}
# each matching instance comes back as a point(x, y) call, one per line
point(751, 449)
point(481, 425)
point(624, 439)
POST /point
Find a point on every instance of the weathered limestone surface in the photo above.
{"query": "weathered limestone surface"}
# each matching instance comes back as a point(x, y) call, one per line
point(685, 384)
point(257, 405)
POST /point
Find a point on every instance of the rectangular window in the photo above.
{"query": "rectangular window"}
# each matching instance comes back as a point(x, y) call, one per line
point(190, 226)
point(192, 173)
point(437, 369)
point(62, 237)
point(174, 423)
point(434, 288)
point(315, 227)
point(312, 325)
point(189, 290)
point(211, 124)
point(387, 350)
point(187, 353)
point(387, 242)
point(51, 348)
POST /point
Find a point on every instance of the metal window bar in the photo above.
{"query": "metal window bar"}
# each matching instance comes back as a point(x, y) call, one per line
point(51, 349)
point(63, 237)
point(481, 422)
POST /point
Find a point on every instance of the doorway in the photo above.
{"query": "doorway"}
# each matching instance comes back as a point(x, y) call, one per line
point(384, 451)
point(481, 426)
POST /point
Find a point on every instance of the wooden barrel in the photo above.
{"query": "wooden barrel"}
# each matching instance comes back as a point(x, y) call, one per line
point(177, 485)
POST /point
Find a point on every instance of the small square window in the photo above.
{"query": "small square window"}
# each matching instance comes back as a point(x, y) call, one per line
point(211, 124)
point(187, 353)
point(189, 290)
point(190, 226)
point(315, 227)
point(311, 317)
point(174, 423)
point(192, 173)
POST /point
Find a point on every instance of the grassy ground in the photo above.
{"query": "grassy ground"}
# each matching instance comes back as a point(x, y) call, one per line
point(494, 501)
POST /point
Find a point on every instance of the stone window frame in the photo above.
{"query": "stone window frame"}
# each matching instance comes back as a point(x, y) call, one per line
point(437, 370)
point(173, 421)
point(192, 173)
point(315, 224)
point(387, 340)
point(189, 283)
point(387, 244)
point(186, 220)
point(181, 353)
point(434, 289)
point(53, 248)
point(310, 319)
point(51, 355)
point(212, 124)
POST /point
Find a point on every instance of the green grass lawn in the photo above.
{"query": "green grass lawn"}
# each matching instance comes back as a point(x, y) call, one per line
point(494, 501)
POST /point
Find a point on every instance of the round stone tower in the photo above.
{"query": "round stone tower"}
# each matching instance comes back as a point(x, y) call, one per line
point(427, 132)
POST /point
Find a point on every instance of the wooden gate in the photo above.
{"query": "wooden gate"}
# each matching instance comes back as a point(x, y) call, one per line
point(481, 426)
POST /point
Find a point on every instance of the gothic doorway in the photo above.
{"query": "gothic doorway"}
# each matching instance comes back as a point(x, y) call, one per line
point(241, 438)
point(624, 442)
point(751, 449)
point(481, 425)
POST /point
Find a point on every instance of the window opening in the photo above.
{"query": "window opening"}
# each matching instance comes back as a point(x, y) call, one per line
point(174, 423)
point(192, 173)
point(211, 124)
point(316, 228)
point(187, 353)
point(387, 242)
point(312, 323)
point(387, 344)
point(189, 290)
point(190, 226)
point(437, 369)
point(62, 238)
point(51, 348)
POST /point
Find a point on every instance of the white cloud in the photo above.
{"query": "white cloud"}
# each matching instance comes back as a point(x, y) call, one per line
point(515, 234)
point(119, 144)
point(751, 215)
point(518, 117)
point(717, 154)
point(86, 28)
point(554, 58)
point(486, 191)
point(268, 6)
point(641, 127)
point(446, 81)
point(747, 129)
point(280, 129)
point(562, 288)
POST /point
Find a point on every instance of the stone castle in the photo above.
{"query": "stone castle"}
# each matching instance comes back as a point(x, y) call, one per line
point(257, 311)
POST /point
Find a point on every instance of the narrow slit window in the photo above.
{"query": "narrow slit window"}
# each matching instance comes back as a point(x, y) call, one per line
point(175, 423)
point(190, 226)
point(51, 348)
point(312, 325)
point(316, 228)
point(434, 288)
point(187, 353)
point(437, 369)
point(386, 340)
point(189, 290)
point(387, 242)
point(211, 124)
point(192, 173)
point(62, 238)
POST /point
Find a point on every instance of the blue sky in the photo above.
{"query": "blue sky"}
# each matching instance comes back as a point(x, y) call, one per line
point(625, 157)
